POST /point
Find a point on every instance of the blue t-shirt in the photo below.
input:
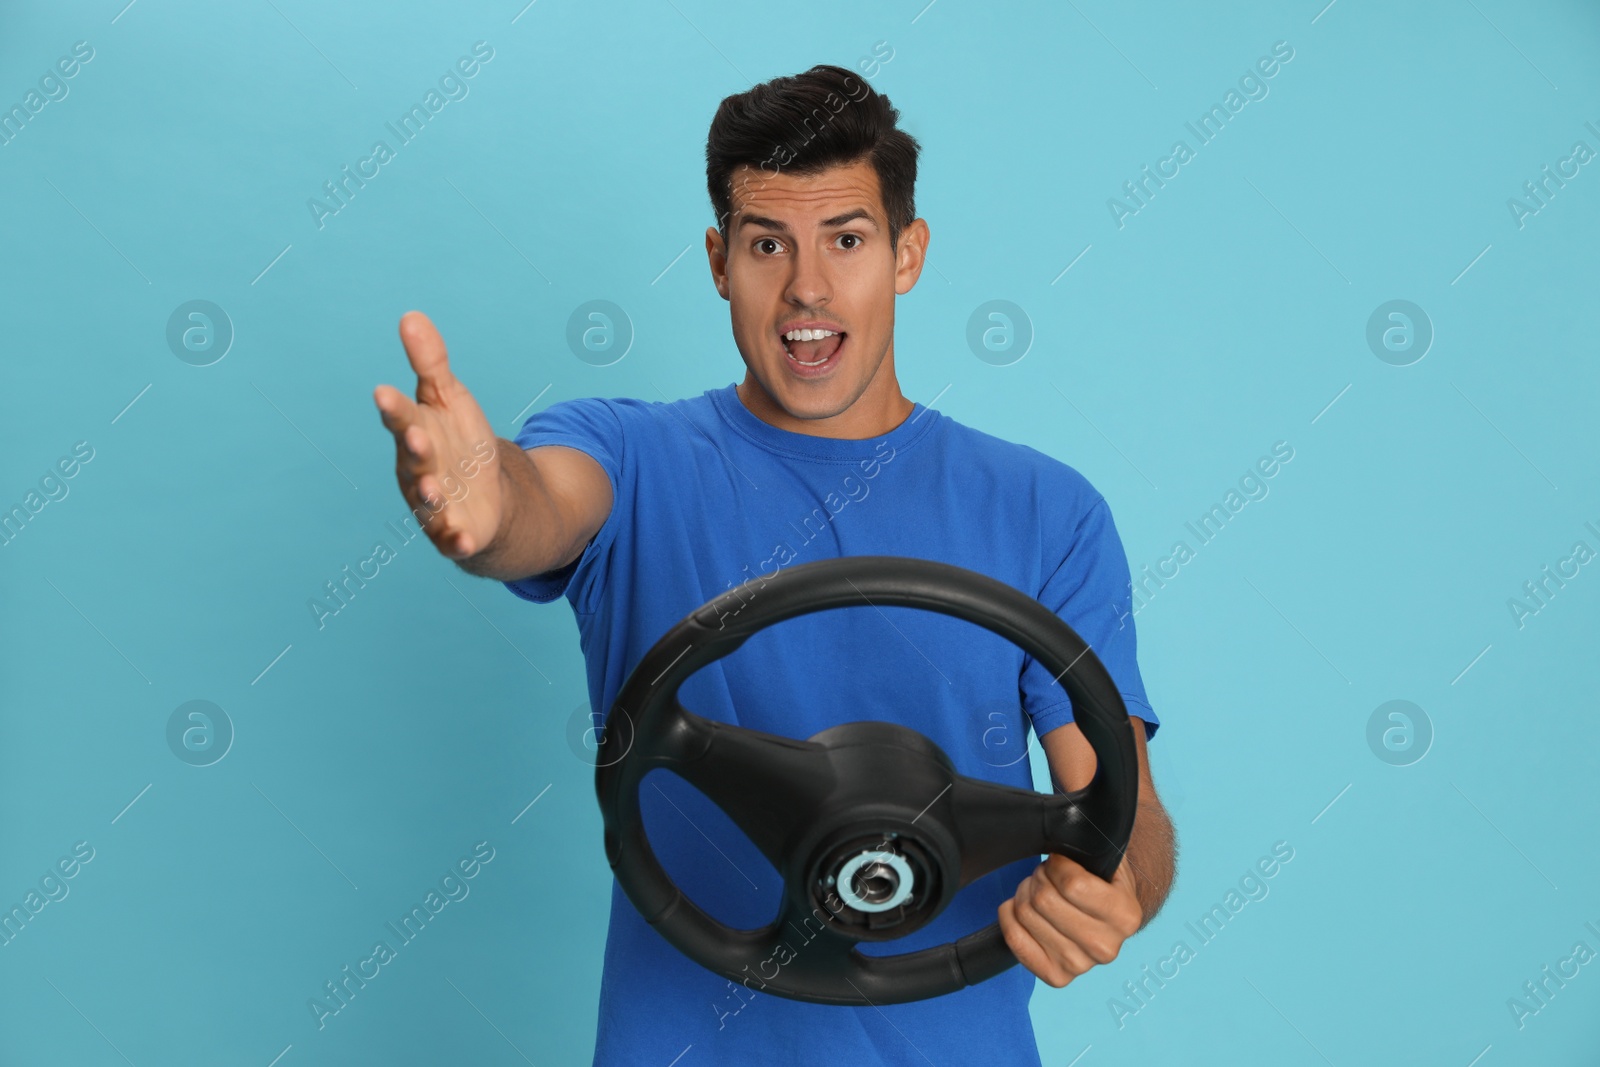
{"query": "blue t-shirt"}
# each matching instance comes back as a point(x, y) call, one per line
point(707, 496)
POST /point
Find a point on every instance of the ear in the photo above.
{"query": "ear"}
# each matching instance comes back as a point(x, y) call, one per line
point(717, 257)
point(910, 255)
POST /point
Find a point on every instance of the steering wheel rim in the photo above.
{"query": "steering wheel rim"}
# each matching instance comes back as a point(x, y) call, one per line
point(810, 806)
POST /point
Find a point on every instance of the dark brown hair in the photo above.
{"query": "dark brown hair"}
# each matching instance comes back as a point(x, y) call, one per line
point(805, 123)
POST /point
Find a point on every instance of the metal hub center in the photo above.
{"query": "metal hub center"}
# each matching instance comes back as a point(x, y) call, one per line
point(875, 881)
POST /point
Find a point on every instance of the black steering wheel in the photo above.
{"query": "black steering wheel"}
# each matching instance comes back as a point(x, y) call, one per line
point(871, 827)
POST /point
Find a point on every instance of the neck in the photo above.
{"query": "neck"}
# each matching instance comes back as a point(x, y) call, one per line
point(874, 413)
point(880, 408)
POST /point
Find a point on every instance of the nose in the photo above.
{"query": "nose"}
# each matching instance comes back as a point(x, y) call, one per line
point(809, 285)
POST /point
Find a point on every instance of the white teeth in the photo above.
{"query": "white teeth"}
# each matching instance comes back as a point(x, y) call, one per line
point(807, 335)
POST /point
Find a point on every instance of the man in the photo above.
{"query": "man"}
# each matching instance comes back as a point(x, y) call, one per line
point(640, 512)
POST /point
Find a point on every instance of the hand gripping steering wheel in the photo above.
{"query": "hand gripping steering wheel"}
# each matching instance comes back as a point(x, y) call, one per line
point(871, 827)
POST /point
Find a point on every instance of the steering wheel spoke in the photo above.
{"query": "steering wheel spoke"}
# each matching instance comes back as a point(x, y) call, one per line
point(770, 786)
point(806, 928)
point(998, 824)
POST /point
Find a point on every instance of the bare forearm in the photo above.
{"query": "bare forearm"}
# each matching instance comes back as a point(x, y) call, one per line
point(531, 538)
point(1152, 856)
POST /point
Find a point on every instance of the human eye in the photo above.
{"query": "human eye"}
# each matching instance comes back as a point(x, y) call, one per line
point(760, 241)
point(856, 237)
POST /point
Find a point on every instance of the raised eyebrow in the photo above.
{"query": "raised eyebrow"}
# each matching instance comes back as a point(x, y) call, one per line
point(850, 216)
point(829, 223)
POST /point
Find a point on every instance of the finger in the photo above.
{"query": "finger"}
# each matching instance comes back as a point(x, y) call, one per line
point(1067, 930)
point(398, 413)
point(413, 454)
point(1111, 902)
point(459, 546)
point(432, 494)
point(1073, 937)
point(419, 447)
point(425, 349)
point(395, 408)
point(437, 520)
point(411, 440)
point(446, 536)
point(1026, 947)
point(439, 512)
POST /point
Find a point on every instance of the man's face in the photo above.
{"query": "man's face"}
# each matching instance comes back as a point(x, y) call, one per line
point(814, 252)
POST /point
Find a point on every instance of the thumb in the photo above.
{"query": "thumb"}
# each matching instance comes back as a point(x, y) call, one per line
point(426, 351)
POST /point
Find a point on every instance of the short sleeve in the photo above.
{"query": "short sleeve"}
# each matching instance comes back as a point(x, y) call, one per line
point(1091, 591)
point(590, 425)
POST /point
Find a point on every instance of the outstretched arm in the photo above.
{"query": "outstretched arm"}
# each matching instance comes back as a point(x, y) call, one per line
point(498, 510)
point(1064, 920)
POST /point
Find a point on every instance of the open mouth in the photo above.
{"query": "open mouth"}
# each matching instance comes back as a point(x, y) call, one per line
point(812, 351)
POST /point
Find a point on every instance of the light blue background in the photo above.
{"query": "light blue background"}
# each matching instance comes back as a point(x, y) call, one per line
point(1228, 314)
